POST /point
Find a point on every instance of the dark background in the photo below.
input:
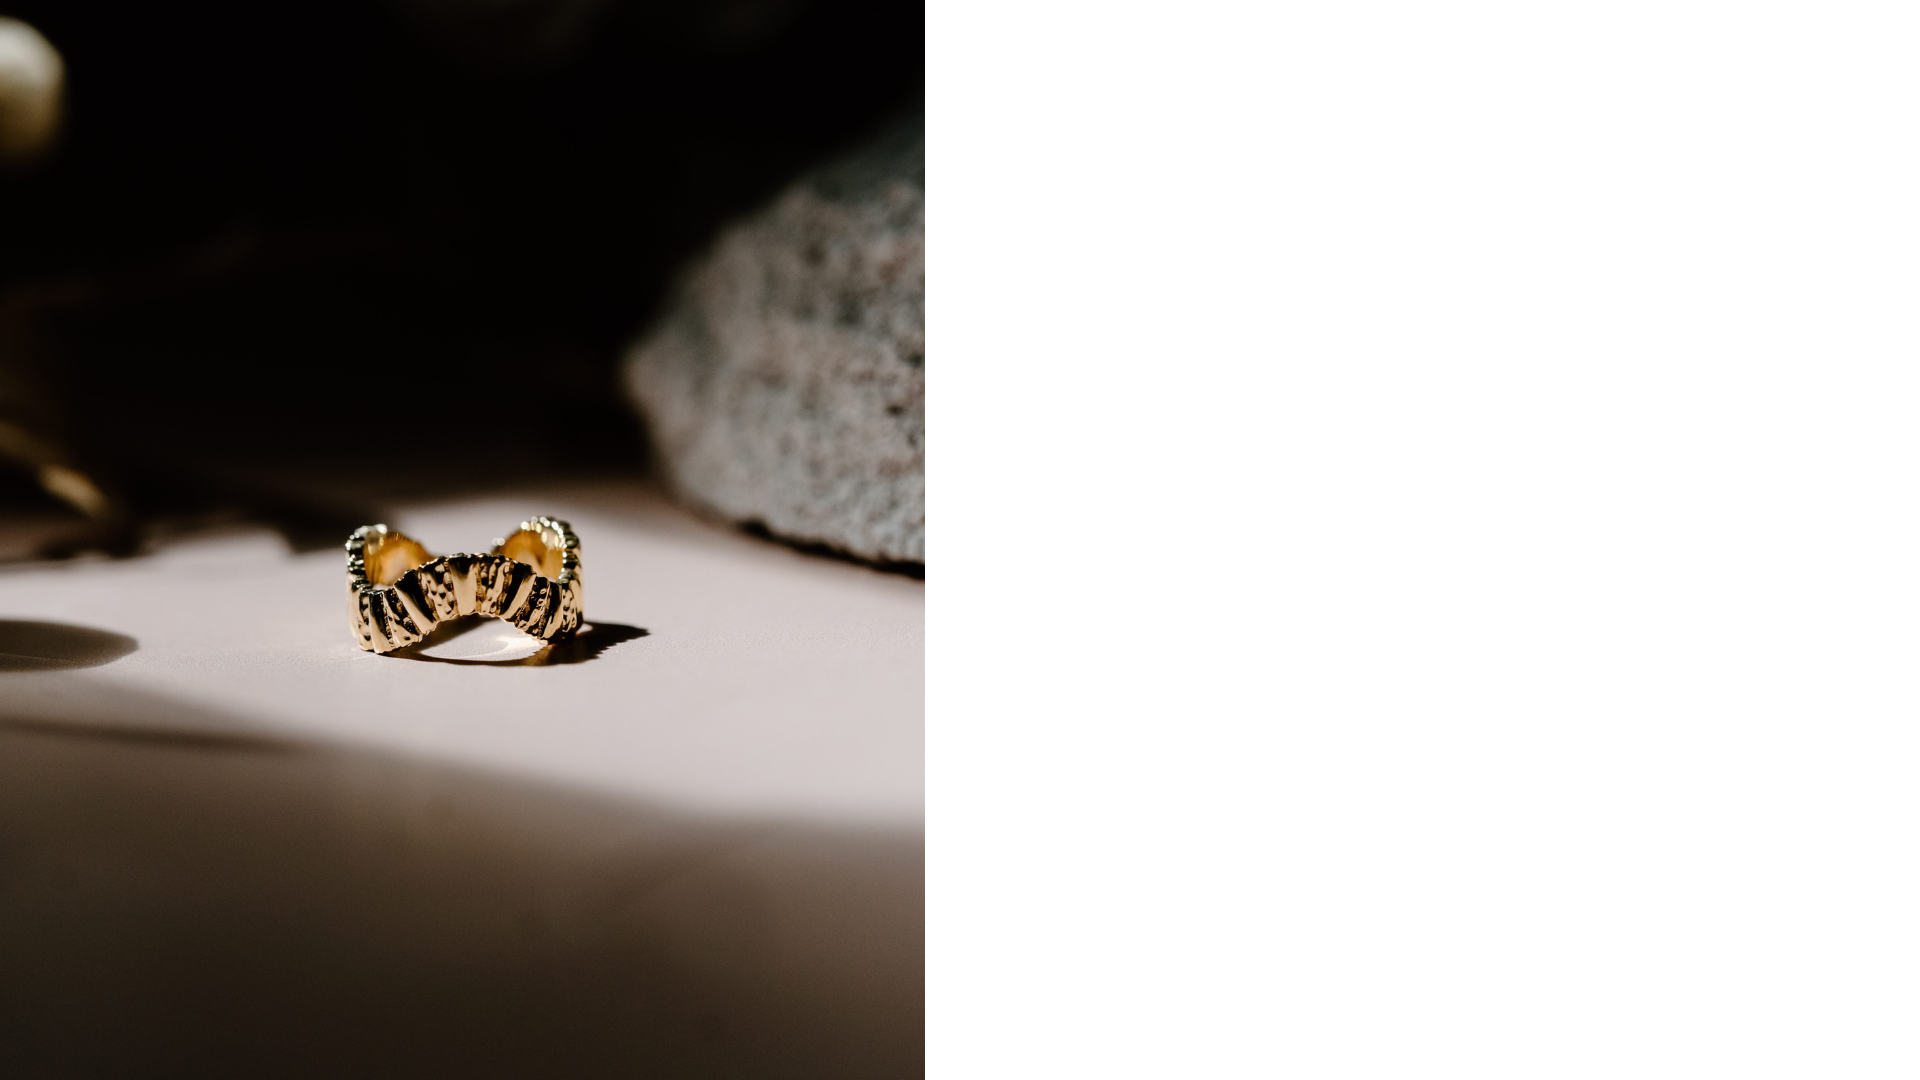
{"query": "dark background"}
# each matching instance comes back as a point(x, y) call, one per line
point(283, 246)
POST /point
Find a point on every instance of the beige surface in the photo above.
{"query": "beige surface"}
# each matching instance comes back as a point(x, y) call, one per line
point(233, 844)
point(767, 682)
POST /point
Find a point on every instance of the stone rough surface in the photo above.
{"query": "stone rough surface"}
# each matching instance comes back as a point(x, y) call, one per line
point(786, 383)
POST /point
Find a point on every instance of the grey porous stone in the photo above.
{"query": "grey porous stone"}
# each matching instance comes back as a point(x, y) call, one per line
point(786, 383)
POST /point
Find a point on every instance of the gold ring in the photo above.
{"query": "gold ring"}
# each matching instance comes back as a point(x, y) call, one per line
point(397, 593)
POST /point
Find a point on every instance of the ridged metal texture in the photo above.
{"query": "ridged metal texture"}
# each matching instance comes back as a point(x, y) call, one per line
point(389, 617)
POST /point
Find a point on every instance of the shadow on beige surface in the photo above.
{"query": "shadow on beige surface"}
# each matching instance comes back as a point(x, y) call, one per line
point(210, 903)
point(27, 645)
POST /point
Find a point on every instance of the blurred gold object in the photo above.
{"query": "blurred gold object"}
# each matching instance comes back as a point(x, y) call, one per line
point(397, 592)
point(45, 460)
point(32, 89)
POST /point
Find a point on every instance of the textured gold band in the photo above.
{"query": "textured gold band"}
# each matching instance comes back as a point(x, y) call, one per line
point(397, 593)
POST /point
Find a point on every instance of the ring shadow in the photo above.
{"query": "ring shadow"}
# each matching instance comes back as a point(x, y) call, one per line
point(27, 645)
point(582, 645)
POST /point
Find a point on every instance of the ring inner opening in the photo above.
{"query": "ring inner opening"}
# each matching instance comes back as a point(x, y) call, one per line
point(535, 549)
point(390, 556)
